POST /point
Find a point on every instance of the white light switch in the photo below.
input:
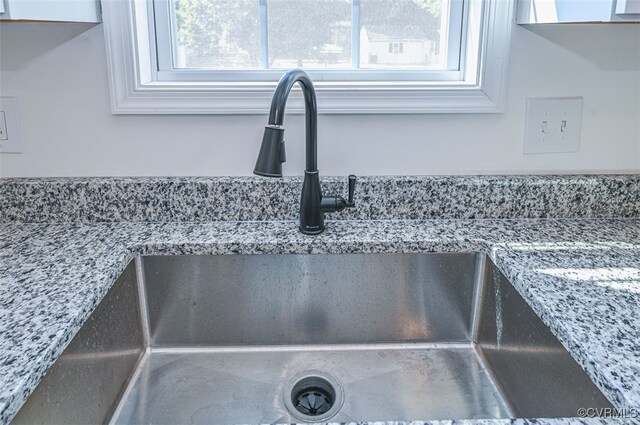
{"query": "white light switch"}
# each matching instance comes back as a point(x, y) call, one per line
point(552, 125)
point(3, 126)
point(9, 126)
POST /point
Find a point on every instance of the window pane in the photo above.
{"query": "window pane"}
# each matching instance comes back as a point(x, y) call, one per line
point(402, 34)
point(313, 34)
point(219, 34)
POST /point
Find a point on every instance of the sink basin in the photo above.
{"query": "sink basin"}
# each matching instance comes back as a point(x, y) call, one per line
point(290, 338)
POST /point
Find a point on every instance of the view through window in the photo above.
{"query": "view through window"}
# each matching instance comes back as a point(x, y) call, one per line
point(316, 34)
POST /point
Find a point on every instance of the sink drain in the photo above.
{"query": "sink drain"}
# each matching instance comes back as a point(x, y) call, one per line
point(313, 396)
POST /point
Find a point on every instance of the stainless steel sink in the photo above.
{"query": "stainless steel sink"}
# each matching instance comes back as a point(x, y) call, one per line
point(290, 338)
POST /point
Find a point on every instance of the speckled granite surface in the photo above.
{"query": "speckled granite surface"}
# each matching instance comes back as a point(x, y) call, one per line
point(582, 276)
point(257, 198)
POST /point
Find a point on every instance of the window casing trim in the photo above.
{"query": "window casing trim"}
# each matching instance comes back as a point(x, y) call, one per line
point(135, 88)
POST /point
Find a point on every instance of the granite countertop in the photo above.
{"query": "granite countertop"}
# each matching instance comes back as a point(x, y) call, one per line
point(582, 276)
point(63, 243)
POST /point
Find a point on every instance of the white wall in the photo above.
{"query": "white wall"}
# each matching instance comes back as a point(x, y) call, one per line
point(59, 76)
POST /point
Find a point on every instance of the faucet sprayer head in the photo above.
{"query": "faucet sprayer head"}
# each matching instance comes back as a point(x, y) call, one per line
point(272, 153)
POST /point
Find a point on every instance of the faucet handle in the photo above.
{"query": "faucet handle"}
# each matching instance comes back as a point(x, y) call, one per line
point(352, 188)
point(336, 203)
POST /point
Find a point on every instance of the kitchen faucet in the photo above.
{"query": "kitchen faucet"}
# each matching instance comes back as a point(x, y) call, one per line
point(313, 204)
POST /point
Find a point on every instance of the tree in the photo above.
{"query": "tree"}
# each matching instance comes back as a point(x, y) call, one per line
point(433, 6)
point(413, 18)
point(302, 29)
point(214, 28)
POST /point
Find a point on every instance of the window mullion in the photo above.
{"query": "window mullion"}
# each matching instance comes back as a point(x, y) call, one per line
point(355, 34)
point(264, 35)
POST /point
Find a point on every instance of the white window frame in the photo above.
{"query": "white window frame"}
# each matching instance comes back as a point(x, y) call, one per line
point(136, 88)
point(164, 28)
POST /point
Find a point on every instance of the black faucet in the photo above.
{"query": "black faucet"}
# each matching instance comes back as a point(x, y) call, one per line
point(272, 154)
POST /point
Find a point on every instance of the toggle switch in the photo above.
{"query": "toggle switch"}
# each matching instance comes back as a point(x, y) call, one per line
point(9, 126)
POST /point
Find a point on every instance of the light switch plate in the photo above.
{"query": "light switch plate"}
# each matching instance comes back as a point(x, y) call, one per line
point(552, 125)
point(10, 141)
point(3, 127)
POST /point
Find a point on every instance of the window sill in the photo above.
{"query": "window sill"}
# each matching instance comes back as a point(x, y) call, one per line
point(160, 98)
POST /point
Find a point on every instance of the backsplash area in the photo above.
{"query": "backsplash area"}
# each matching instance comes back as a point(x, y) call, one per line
point(203, 199)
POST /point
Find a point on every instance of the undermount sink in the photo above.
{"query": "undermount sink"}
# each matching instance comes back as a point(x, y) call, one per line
point(290, 338)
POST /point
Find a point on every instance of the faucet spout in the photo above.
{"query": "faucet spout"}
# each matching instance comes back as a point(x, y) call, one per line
point(279, 102)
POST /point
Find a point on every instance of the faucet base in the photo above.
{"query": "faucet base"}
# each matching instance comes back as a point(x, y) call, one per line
point(311, 214)
point(310, 232)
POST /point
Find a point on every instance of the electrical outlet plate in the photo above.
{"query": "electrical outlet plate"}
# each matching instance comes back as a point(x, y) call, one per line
point(10, 141)
point(552, 125)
